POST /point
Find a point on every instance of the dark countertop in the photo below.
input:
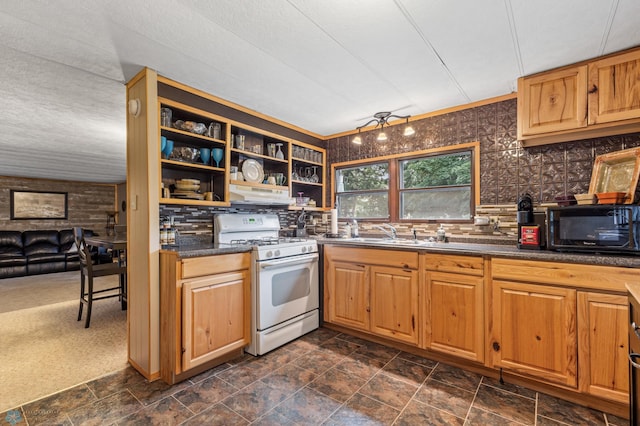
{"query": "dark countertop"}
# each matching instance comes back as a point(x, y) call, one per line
point(204, 247)
point(499, 250)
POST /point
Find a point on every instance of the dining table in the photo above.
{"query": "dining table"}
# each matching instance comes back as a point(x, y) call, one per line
point(117, 243)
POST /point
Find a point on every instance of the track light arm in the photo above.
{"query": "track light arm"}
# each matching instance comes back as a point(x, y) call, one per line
point(382, 119)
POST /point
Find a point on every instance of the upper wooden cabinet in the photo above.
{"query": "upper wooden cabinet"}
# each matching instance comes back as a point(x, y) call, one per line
point(614, 88)
point(590, 99)
point(552, 102)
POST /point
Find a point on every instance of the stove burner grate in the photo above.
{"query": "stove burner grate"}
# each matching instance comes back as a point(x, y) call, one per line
point(266, 241)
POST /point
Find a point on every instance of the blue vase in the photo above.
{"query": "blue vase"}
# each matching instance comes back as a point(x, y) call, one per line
point(163, 143)
point(205, 155)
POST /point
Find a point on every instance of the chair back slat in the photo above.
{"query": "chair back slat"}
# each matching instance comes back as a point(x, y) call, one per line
point(83, 250)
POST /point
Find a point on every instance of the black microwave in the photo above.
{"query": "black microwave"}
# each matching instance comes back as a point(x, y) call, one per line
point(594, 228)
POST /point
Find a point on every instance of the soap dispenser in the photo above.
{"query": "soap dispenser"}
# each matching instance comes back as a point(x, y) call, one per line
point(441, 234)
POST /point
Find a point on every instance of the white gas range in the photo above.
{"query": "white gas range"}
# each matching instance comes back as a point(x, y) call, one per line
point(284, 278)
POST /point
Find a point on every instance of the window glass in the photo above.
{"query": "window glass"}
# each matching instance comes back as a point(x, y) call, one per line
point(362, 192)
point(436, 187)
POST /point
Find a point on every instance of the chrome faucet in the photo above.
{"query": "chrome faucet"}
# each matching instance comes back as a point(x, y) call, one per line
point(388, 230)
point(355, 232)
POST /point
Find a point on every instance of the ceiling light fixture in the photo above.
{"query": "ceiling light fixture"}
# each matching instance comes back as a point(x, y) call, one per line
point(382, 119)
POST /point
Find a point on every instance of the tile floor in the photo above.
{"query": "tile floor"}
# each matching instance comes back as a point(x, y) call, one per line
point(322, 378)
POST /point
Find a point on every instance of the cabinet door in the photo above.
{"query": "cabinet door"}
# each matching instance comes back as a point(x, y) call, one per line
point(394, 303)
point(614, 88)
point(454, 314)
point(553, 101)
point(603, 345)
point(534, 331)
point(348, 295)
point(215, 316)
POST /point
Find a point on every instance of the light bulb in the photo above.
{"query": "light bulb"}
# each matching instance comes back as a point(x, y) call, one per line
point(357, 140)
point(408, 131)
point(382, 136)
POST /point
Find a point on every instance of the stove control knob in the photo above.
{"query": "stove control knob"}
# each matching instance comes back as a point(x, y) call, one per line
point(310, 249)
point(277, 253)
point(269, 253)
point(304, 249)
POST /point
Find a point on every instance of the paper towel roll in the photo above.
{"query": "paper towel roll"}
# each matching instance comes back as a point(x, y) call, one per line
point(334, 221)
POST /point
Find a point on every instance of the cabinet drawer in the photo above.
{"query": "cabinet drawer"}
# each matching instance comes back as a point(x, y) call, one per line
point(565, 274)
point(398, 259)
point(209, 265)
point(468, 265)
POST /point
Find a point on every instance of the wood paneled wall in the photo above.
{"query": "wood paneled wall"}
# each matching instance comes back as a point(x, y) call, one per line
point(87, 204)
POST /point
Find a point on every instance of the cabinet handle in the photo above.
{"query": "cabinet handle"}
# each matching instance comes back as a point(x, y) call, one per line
point(632, 359)
point(413, 322)
point(593, 89)
point(368, 309)
point(496, 346)
point(636, 329)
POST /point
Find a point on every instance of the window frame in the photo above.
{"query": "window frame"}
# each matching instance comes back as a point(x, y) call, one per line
point(394, 180)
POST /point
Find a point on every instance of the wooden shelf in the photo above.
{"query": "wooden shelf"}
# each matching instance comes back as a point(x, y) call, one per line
point(184, 165)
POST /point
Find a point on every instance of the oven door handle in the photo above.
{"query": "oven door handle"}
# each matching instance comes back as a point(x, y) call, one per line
point(289, 261)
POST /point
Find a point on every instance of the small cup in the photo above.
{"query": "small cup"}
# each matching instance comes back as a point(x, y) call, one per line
point(239, 142)
point(208, 196)
point(280, 179)
point(165, 117)
point(239, 176)
point(271, 180)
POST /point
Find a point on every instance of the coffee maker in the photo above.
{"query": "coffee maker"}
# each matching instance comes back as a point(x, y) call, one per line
point(531, 225)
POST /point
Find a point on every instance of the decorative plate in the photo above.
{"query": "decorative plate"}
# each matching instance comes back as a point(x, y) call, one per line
point(252, 171)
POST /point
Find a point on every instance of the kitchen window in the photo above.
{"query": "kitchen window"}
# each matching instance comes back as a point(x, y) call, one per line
point(363, 191)
point(431, 185)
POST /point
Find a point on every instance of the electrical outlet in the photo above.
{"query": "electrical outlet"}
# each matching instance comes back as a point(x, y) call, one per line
point(494, 219)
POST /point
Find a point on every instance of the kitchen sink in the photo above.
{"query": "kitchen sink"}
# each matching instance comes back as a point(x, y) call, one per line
point(392, 242)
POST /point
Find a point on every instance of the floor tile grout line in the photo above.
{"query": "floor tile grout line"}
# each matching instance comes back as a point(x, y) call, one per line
point(473, 400)
point(508, 391)
point(415, 393)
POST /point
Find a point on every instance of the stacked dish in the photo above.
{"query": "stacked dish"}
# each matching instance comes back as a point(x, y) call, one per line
point(188, 184)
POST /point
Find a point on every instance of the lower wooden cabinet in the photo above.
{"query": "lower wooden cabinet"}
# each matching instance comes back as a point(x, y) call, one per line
point(603, 345)
point(560, 324)
point(213, 317)
point(534, 331)
point(206, 309)
point(347, 284)
point(453, 305)
point(373, 290)
point(563, 323)
point(394, 303)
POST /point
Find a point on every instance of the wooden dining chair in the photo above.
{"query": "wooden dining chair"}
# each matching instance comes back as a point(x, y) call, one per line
point(89, 271)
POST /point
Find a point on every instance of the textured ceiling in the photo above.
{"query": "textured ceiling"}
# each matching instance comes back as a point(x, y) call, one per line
point(325, 66)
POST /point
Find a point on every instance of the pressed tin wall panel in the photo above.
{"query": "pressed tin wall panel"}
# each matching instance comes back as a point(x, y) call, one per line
point(506, 168)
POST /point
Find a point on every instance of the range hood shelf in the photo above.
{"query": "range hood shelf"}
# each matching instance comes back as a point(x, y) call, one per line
point(241, 192)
